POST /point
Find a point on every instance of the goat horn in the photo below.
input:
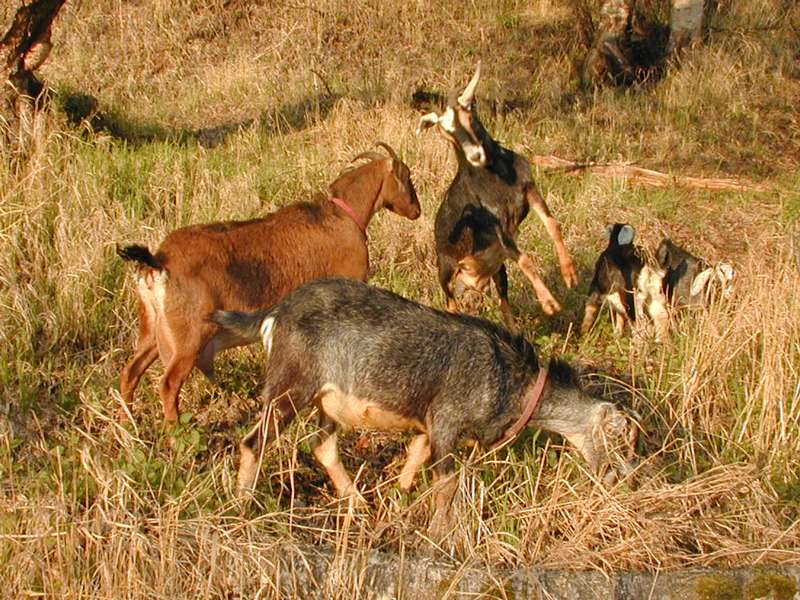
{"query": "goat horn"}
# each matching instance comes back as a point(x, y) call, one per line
point(388, 149)
point(468, 95)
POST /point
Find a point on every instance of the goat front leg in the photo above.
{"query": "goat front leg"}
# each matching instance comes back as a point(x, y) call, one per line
point(446, 485)
point(567, 265)
point(447, 269)
point(593, 303)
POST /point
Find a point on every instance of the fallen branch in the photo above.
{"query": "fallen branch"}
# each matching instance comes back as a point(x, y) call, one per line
point(646, 177)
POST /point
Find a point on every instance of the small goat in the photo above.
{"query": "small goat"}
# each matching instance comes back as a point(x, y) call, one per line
point(368, 358)
point(248, 265)
point(688, 280)
point(632, 287)
point(476, 225)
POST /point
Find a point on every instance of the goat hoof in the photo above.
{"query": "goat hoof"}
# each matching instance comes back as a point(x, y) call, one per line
point(438, 528)
point(570, 274)
point(351, 498)
point(550, 306)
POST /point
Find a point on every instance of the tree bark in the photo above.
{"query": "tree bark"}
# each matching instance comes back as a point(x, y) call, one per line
point(23, 49)
point(686, 24)
point(608, 60)
point(645, 177)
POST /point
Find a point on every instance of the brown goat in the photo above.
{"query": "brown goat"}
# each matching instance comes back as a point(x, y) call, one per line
point(251, 265)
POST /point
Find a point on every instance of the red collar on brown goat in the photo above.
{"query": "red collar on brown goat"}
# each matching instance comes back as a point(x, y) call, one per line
point(351, 213)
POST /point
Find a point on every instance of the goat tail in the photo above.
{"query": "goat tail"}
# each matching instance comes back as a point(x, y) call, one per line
point(140, 254)
point(250, 326)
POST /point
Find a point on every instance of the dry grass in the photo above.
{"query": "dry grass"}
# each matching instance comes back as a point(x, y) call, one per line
point(92, 509)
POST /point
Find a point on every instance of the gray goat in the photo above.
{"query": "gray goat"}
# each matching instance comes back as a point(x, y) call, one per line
point(368, 358)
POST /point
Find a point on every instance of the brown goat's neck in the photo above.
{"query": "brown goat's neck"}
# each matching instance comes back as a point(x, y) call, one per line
point(350, 213)
point(361, 188)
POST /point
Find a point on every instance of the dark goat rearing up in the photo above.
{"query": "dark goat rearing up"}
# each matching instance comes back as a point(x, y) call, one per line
point(250, 265)
point(367, 358)
point(476, 225)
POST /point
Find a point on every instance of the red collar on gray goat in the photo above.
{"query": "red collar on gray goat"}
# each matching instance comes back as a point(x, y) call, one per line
point(533, 402)
point(351, 213)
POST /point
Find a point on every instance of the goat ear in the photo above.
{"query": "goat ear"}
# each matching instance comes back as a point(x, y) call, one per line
point(662, 253)
point(426, 121)
point(700, 281)
point(625, 235)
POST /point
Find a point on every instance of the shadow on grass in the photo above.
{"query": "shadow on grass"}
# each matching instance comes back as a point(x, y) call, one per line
point(83, 108)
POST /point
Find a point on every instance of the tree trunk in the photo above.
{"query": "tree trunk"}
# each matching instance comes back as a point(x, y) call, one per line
point(608, 60)
point(23, 49)
point(686, 24)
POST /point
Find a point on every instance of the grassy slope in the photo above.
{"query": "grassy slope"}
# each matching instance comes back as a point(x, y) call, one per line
point(96, 508)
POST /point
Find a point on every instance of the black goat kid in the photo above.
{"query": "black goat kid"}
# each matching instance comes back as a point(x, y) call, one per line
point(477, 224)
point(632, 287)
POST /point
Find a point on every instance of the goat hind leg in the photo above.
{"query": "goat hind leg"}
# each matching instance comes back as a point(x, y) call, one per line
point(184, 358)
point(500, 280)
point(550, 305)
point(446, 485)
point(145, 354)
point(205, 362)
point(567, 265)
point(419, 451)
point(444, 438)
point(277, 414)
point(327, 454)
point(171, 383)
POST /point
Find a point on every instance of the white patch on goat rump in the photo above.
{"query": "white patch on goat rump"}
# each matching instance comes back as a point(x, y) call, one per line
point(267, 330)
point(152, 289)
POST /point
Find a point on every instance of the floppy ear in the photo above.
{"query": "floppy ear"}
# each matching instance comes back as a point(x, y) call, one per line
point(662, 253)
point(625, 235)
point(700, 281)
point(426, 121)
